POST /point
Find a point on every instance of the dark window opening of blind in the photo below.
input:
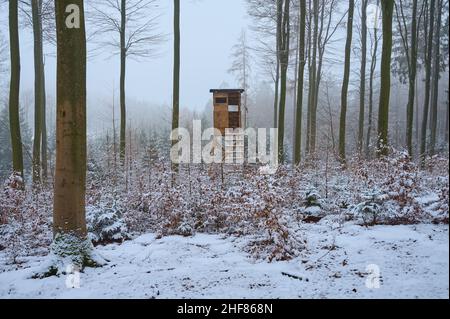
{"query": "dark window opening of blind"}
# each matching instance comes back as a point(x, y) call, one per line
point(233, 101)
point(221, 100)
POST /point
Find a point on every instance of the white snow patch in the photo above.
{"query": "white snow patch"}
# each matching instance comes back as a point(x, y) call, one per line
point(413, 261)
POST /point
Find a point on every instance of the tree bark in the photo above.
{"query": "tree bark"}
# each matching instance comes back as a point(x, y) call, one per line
point(278, 66)
point(428, 57)
point(309, 106)
point(313, 85)
point(362, 83)
point(373, 65)
point(36, 7)
point(387, 8)
point(176, 73)
point(435, 77)
point(123, 60)
point(14, 117)
point(412, 80)
point(301, 70)
point(348, 45)
point(70, 172)
point(284, 62)
point(44, 149)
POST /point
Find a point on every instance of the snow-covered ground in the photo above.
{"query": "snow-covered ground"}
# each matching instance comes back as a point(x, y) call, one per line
point(413, 262)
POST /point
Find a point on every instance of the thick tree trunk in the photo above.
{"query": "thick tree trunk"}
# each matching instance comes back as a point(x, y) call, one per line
point(412, 81)
point(70, 173)
point(176, 72)
point(435, 77)
point(36, 7)
point(14, 90)
point(362, 83)
point(387, 8)
point(344, 92)
point(428, 58)
point(123, 61)
point(301, 70)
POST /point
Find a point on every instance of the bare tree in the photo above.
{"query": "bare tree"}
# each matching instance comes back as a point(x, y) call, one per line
point(39, 16)
point(176, 73)
point(344, 92)
point(266, 26)
point(428, 58)
point(409, 42)
point(128, 27)
point(362, 83)
point(300, 79)
point(373, 64)
point(387, 8)
point(14, 89)
point(241, 68)
point(283, 56)
point(435, 76)
point(325, 34)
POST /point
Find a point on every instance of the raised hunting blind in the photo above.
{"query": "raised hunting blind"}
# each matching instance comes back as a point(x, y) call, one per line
point(227, 109)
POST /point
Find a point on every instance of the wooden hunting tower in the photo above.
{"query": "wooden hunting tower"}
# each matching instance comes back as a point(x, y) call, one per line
point(227, 109)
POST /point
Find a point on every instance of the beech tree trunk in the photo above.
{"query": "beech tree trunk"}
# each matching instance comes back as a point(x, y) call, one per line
point(284, 63)
point(313, 84)
point(435, 77)
point(123, 60)
point(373, 65)
point(70, 172)
point(428, 58)
point(412, 80)
point(348, 46)
point(36, 9)
point(301, 70)
point(387, 9)
point(14, 90)
point(176, 72)
point(362, 83)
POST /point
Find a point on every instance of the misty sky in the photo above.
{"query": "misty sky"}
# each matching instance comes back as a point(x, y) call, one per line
point(209, 29)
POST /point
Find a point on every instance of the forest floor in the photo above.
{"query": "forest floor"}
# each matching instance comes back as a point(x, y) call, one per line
point(413, 262)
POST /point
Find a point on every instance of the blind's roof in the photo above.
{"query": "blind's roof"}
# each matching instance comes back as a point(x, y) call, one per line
point(226, 91)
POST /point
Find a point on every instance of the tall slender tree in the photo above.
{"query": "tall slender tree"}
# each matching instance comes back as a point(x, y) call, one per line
point(387, 8)
point(284, 63)
point(134, 24)
point(428, 59)
point(373, 65)
point(14, 89)
point(325, 34)
point(313, 83)
point(362, 74)
point(300, 80)
point(176, 71)
point(123, 67)
point(435, 76)
point(241, 68)
point(279, 25)
point(409, 42)
point(344, 92)
point(39, 93)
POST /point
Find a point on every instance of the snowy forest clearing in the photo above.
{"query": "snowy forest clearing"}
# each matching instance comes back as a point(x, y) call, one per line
point(413, 262)
point(123, 195)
